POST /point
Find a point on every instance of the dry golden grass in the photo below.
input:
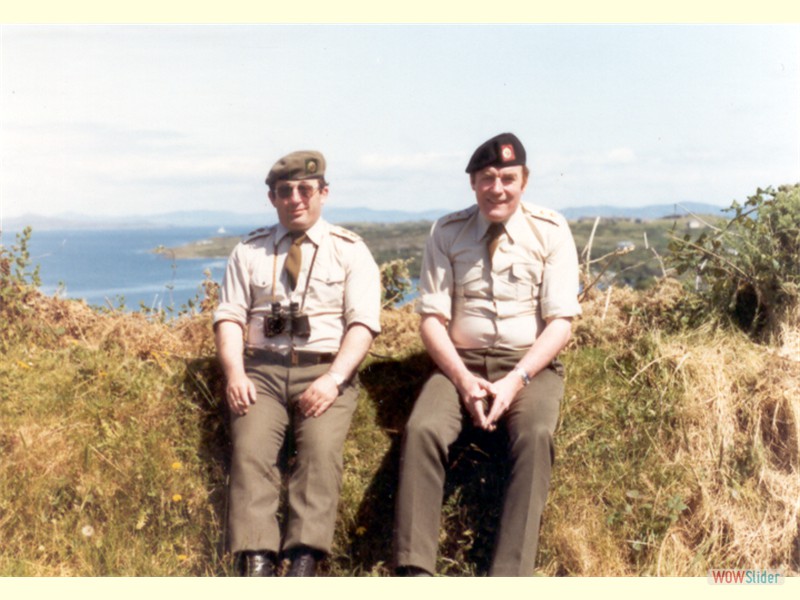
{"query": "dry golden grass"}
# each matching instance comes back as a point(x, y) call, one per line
point(734, 438)
point(619, 314)
point(399, 333)
point(135, 334)
point(582, 544)
point(742, 428)
point(787, 335)
point(678, 450)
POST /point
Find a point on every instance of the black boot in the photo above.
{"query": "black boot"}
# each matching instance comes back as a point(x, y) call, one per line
point(254, 563)
point(304, 562)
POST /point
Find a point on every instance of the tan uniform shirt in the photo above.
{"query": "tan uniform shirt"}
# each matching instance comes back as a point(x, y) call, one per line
point(343, 286)
point(504, 302)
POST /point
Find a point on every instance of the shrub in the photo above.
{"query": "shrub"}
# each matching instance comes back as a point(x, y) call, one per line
point(749, 269)
point(17, 282)
point(395, 281)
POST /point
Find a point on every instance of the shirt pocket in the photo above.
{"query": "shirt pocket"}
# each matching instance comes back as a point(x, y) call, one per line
point(326, 288)
point(472, 284)
point(260, 289)
point(526, 278)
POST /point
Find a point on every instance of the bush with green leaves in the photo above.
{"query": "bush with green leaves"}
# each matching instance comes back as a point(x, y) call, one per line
point(18, 280)
point(395, 281)
point(749, 269)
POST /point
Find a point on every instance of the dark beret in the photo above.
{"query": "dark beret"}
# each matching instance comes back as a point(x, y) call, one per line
point(504, 150)
point(304, 164)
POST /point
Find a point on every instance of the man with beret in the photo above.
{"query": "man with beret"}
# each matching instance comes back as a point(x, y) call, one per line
point(299, 308)
point(498, 291)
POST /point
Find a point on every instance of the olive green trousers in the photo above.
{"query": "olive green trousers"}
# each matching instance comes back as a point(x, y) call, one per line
point(436, 421)
point(315, 479)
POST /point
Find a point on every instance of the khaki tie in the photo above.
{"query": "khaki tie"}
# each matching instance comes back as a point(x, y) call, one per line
point(294, 259)
point(493, 237)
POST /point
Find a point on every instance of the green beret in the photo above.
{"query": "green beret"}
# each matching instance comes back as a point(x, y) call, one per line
point(504, 150)
point(304, 164)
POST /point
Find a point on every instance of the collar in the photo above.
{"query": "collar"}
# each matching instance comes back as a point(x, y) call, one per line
point(315, 233)
point(514, 225)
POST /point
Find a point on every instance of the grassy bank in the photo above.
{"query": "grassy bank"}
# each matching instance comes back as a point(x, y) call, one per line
point(677, 450)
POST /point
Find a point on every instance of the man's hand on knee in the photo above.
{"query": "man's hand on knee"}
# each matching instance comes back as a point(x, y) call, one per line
point(319, 396)
point(240, 393)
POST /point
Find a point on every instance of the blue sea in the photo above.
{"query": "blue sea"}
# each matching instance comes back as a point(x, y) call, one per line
point(112, 267)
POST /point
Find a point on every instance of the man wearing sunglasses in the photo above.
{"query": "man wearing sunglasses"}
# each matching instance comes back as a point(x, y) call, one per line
point(299, 308)
point(498, 291)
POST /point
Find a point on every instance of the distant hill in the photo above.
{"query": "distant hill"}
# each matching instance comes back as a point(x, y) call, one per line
point(230, 220)
point(653, 211)
point(213, 219)
point(74, 221)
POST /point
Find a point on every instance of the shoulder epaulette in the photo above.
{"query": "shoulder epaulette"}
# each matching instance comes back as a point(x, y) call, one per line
point(545, 214)
point(459, 215)
point(260, 232)
point(345, 234)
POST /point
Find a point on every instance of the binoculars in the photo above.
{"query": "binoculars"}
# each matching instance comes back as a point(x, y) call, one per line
point(280, 321)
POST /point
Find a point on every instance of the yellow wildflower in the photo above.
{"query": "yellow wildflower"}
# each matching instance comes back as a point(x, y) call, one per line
point(177, 497)
point(177, 466)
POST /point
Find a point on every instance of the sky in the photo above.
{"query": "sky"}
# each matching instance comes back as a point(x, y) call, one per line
point(114, 120)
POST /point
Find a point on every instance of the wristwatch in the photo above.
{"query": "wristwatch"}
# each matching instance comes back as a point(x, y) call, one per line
point(522, 375)
point(338, 378)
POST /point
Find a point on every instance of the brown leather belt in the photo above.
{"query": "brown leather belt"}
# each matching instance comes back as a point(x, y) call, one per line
point(294, 358)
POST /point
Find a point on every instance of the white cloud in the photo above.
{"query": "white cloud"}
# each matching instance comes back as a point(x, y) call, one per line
point(552, 162)
point(140, 119)
point(621, 156)
point(418, 161)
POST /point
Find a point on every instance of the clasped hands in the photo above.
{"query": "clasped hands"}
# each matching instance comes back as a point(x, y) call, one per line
point(487, 401)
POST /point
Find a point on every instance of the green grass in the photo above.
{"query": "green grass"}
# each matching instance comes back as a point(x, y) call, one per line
point(103, 470)
point(615, 440)
point(116, 464)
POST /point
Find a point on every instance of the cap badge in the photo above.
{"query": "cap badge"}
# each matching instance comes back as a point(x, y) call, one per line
point(311, 166)
point(507, 152)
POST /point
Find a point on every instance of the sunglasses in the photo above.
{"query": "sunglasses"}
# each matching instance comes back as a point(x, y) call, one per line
point(286, 190)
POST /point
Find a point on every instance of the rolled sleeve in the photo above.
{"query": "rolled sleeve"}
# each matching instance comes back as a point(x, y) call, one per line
point(436, 279)
point(362, 299)
point(559, 296)
point(235, 292)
